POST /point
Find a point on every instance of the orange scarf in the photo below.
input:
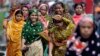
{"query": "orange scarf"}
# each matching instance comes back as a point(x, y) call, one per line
point(14, 29)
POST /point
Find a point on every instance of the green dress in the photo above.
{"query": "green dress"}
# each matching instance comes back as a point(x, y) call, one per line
point(58, 35)
point(30, 31)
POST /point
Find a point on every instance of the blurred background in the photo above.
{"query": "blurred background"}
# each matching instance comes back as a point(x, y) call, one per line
point(5, 6)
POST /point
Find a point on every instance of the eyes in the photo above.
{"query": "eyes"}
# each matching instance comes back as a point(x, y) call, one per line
point(78, 7)
point(86, 27)
point(19, 15)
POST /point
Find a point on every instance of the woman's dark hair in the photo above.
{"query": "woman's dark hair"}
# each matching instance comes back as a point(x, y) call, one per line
point(60, 3)
point(75, 5)
point(19, 12)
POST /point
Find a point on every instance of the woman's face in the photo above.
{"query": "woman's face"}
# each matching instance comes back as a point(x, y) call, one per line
point(18, 17)
point(78, 9)
point(86, 29)
point(43, 10)
point(25, 11)
point(59, 9)
point(33, 17)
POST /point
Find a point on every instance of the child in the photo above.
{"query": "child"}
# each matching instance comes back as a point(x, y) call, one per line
point(85, 42)
point(14, 29)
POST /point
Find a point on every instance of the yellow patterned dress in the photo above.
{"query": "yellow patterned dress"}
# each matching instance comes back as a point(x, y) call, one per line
point(59, 35)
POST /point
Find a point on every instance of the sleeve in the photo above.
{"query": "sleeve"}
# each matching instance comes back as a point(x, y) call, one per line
point(70, 27)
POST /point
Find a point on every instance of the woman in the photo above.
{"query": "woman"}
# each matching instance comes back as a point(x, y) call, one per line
point(85, 42)
point(14, 29)
point(31, 39)
point(25, 10)
point(59, 29)
point(78, 13)
point(44, 17)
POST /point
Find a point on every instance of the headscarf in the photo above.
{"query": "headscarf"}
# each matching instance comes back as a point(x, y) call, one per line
point(42, 6)
point(35, 11)
point(84, 20)
point(14, 28)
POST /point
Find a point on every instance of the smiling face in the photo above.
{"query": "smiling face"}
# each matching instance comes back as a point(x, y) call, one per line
point(59, 9)
point(34, 17)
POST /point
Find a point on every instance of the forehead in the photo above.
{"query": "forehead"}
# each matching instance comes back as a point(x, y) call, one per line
point(33, 13)
point(19, 14)
point(43, 7)
point(78, 6)
point(86, 23)
point(25, 8)
point(58, 5)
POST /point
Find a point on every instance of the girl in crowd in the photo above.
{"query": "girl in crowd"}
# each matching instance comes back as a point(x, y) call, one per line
point(59, 29)
point(25, 11)
point(85, 42)
point(78, 13)
point(45, 19)
point(14, 29)
point(31, 39)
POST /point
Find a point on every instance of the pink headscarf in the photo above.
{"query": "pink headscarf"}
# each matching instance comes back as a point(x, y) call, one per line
point(86, 19)
point(42, 6)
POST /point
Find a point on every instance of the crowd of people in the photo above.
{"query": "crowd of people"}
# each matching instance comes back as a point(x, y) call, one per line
point(51, 31)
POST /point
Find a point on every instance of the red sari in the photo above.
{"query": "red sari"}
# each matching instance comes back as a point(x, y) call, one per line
point(77, 18)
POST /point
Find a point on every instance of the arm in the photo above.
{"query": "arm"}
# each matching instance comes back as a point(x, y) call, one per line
point(70, 28)
point(50, 48)
point(5, 22)
point(23, 44)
